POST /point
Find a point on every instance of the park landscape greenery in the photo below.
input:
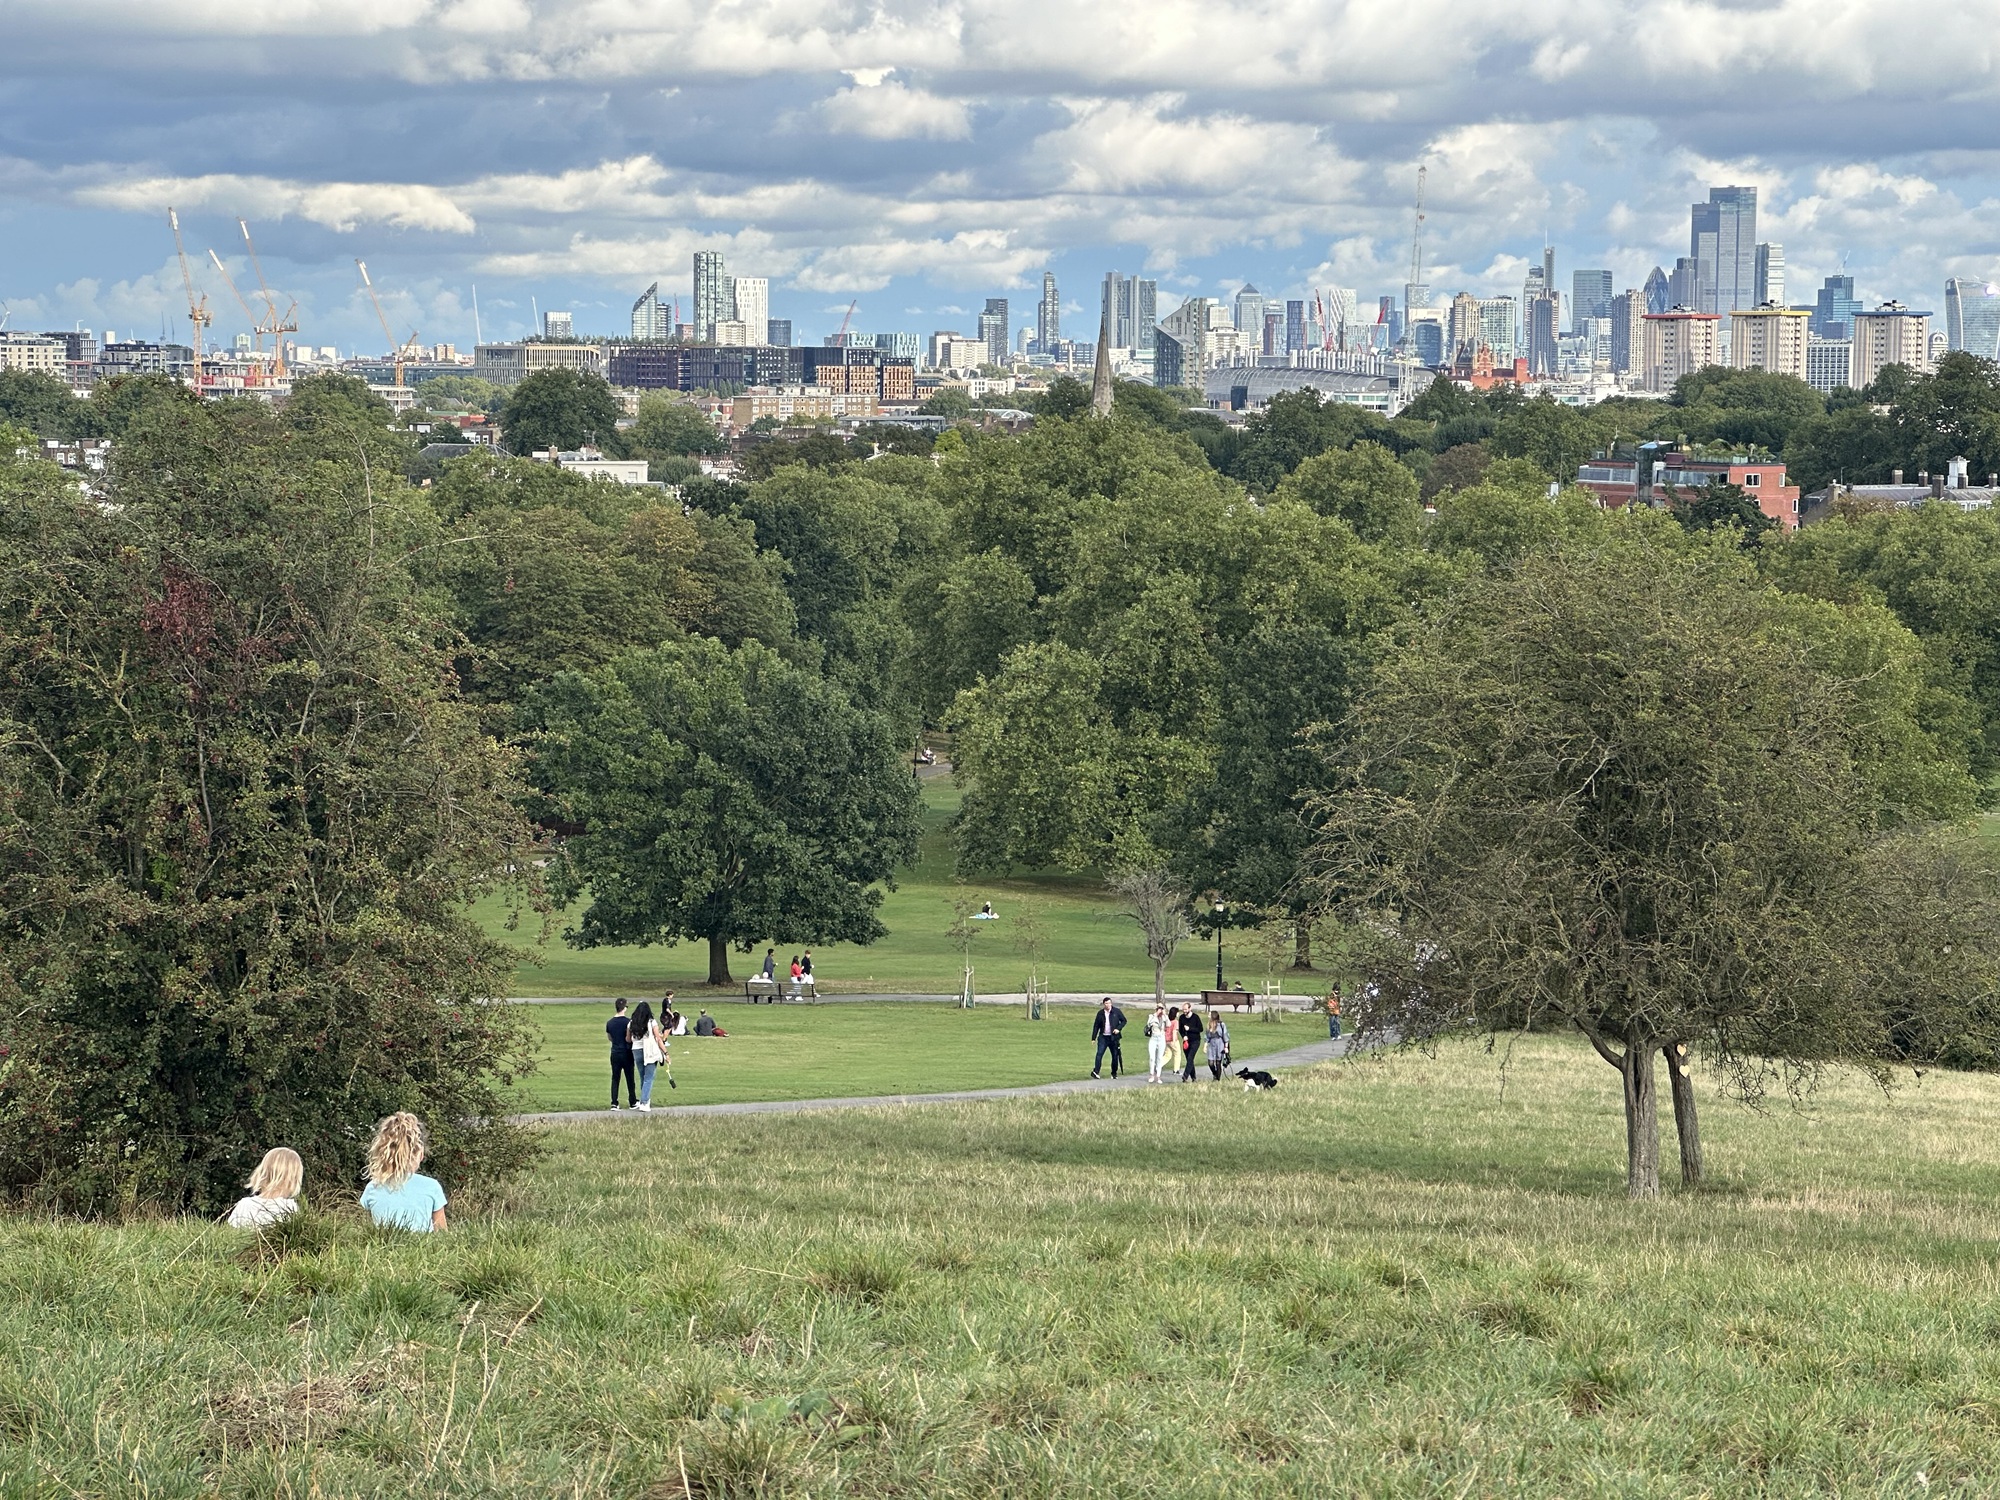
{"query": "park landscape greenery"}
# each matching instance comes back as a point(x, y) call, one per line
point(291, 709)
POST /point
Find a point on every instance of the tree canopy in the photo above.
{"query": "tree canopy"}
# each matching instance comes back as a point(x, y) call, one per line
point(560, 411)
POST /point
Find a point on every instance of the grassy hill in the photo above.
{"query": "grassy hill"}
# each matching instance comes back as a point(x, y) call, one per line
point(1399, 1277)
point(1090, 947)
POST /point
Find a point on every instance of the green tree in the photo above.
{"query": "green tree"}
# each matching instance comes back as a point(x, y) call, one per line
point(560, 411)
point(1510, 514)
point(1292, 428)
point(460, 392)
point(946, 401)
point(1365, 487)
point(44, 406)
point(1633, 790)
point(1748, 408)
point(725, 796)
point(1710, 507)
point(1553, 437)
point(242, 817)
point(1458, 467)
point(1852, 443)
point(666, 426)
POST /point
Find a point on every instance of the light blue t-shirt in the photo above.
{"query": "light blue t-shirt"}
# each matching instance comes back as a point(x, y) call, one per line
point(407, 1207)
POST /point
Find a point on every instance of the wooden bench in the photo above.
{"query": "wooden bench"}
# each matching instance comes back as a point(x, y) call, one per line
point(1234, 999)
point(757, 987)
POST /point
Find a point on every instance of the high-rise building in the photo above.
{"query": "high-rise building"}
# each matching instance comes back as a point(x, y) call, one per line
point(1274, 333)
point(1427, 341)
point(1416, 298)
point(753, 306)
point(1543, 320)
point(1770, 276)
point(652, 319)
point(1829, 363)
point(714, 297)
point(1835, 307)
point(1628, 332)
point(900, 345)
point(1677, 344)
point(1250, 312)
point(1722, 240)
point(1659, 297)
point(1462, 326)
point(1132, 304)
point(779, 331)
point(1890, 335)
point(1770, 338)
point(1295, 325)
point(1048, 316)
point(558, 325)
point(1499, 328)
point(1389, 318)
point(1589, 297)
point(1972, 317)
point(1684, 287)
point(993, 329)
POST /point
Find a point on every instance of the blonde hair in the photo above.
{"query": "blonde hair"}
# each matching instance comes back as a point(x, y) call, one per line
point(279, 1174)
point(398, 1149)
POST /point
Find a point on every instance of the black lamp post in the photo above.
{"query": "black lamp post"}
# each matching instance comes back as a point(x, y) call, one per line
point(1220, 911)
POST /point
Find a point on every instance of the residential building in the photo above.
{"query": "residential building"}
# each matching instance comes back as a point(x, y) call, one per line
point(1416, 299)
point(779, 331)
point(1972, 317)
point(900, 345)
point(797, 403)
point(1274, 334)
point(1655, 473)
point(1659, 295)
point(954, 351)
point(1295, 325)
point(1678, 343)
point(709, 367)
point(34, 354)
point(1722, 240)
point(1172, 363)
point(731, 333)
point(588, 463)
point(652, 319)
point(1628, 332)
point(1132, 304)
point(1427, 342)
point(1191, 325)
point(509, 364)
point(559, 326)
point(1048, 316)
point(1770, 275)
point(714, 296)
point(1829, 363)
point(1890, 335)
point(136, 357)
point(993, 329)
point(1590, 297)
point(1770, 338)
point(1250, 311)
point(752, 296)
point(1835, 308)
point(1499, 328)
point(1462, 325)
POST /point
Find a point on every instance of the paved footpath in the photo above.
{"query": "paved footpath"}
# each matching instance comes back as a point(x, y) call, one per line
point(1292, 1057)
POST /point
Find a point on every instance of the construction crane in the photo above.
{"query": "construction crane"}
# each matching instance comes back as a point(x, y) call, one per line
point(256, 328)
point(1416, 280)
point(199, 317)
point(274, 325)
point(840, 338)
point(383, 318)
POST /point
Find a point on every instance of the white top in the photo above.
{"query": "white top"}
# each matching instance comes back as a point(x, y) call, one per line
point(255, 1212)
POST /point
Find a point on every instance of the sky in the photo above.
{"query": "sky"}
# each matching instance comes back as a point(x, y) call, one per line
point(918, 156)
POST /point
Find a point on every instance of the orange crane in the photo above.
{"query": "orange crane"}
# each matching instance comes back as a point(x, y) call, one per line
point(274, 325)
point(256, 328)
point(383, 318)
point(199, 317)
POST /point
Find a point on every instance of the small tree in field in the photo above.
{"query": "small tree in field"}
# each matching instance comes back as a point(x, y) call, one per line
point(1630, 788)
point(1150, 898)
point(1031, 941)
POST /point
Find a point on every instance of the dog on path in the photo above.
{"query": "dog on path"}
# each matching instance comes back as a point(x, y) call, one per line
point(1256, 1078)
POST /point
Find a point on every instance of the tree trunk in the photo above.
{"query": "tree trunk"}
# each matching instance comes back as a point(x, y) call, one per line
point(1302, 944)
point(718, 961)
point(1642, 1121)
point(1160, 981)
point(1687, 1125)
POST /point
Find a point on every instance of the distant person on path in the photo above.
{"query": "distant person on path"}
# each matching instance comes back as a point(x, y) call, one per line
point(619, 1030)
point(1191, 1033)
point(649, 1043)
point(1156, 1043)
point(797, 972)
point(1105, 1028)
point(806, 967)
point(274, 1190)
point(1218, 1046)
point(1333, 1013)
point(770, 963)
point(398, 1195)
point(704, 1025)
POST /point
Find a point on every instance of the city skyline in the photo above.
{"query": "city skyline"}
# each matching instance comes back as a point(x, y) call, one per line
point(923, 159)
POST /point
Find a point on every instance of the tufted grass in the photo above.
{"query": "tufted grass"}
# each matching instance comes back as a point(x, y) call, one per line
point(1390, 1278)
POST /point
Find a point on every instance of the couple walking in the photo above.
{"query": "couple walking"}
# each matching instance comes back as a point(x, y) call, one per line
point(1177, 1035)
point(640, 1038)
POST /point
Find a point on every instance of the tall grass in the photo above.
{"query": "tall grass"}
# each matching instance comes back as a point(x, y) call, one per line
point(1393, 1277)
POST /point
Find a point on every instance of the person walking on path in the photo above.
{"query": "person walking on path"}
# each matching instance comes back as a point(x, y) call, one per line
point(771, 964)
point(619, 1030)
point(1218, 1046)
point(1156, 1043)
point(1105, 1027)
point(1333, 1013)
point(650, 1043)
point(1191, 1033)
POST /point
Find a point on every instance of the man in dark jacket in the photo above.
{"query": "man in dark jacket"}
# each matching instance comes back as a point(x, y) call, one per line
point(1104, 1029)
point(619, 1030)
point(1191, 1031)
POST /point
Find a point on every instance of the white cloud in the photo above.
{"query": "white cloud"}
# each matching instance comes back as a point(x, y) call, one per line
point(892, 112)
point(338, 205)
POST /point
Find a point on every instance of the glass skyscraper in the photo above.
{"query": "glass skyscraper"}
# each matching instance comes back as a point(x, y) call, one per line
point(1972, 317)
point(1722, 241)
point(1833, 315)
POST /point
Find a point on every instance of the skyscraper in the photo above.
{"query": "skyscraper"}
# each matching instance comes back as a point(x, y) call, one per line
point(1416, 297)
point(1590, 297)
point(1684, 287)
point(1658, 296)
point(1722, 239)
point(1836, 305)
point(993, 329)
point(714, 296)
point(1462, 330)
point(1250, 313)
point(1543, 319)
point(1295, 325)
point(1498, 328)
point(557, 325)
point(1628, 334)
point(1770, 274)
point(1048, 316)
point(752, 296)
point(1132, 303)
point(651, 318)
point(1972, 317)
point(1274, 331)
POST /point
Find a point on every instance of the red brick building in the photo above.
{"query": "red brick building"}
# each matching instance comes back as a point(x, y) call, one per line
point(1653, 473)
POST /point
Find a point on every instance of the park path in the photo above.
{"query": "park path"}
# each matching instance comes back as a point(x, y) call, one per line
point(1292, 1057)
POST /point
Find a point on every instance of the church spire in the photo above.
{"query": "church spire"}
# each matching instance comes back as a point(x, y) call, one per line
point(1100, 382)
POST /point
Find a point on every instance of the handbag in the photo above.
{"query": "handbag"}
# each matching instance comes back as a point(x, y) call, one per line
point(650, 1051)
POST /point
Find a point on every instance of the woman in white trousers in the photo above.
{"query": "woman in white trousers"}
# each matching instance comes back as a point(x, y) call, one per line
point(1156, 1043)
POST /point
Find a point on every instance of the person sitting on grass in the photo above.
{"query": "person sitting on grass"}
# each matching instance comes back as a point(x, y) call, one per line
point(704, 1025)
point(274, 1190)
point(398, 1195)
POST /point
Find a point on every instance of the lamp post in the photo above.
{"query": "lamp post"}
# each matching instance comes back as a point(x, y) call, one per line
point(1220, 911)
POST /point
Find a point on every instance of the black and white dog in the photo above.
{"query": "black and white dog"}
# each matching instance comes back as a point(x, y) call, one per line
point(1256, 1078)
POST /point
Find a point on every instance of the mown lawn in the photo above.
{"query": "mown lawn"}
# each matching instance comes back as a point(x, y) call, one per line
point(1394, 1278)
point(854, 1049)
point(1090, 947)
